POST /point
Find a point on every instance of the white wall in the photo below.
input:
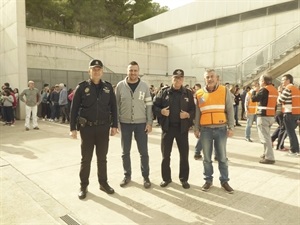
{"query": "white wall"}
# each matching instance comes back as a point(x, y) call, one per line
point(13, 67)
point(197, 12)
point(13, 64)
point(226, 45)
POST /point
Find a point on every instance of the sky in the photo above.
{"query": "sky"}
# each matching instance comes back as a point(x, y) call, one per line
point(172, 4)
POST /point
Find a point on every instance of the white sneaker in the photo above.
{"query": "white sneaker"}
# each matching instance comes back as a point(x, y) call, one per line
point(293, 154)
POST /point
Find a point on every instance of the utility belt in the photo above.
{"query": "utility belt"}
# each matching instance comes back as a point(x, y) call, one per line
point(82, 122)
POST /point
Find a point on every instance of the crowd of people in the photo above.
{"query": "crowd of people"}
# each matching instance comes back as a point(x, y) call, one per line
point(97, 109)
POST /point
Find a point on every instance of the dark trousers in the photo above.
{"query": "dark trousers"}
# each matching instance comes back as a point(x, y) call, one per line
point(64, 112)
point(166, 148)
point(94, 136)
point(8, 114)
point(280, 132)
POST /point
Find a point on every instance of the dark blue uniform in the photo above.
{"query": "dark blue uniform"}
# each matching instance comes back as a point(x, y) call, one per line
point(174, 128)
point(96, 104)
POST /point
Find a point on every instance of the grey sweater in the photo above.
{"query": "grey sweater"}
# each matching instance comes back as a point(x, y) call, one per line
point(134, 107)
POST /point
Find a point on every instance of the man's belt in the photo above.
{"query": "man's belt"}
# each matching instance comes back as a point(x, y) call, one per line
point(96, 123)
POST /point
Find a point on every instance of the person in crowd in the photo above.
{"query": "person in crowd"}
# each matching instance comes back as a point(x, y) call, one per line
point(94, 114)
point(214, 122)
point(54, 99)
point(237, 99)
point(16, 109)
point(32, 98)
point(290, 100)
point(250, 111)
point(175, 107)
point(134, 103)
point(63, 103)
point(45, 103)
point(8, 100)
point(243, 97)
point(266, 97)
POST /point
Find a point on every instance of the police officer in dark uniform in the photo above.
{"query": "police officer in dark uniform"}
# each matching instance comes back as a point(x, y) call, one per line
point(175, 108)
point(94, 114)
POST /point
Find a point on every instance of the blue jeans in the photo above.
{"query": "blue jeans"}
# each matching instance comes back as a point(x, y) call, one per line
point(198, 147)
point(236, 111)
point(216, 137)
point(250, 119)
point(290, 122)
point(142, 143)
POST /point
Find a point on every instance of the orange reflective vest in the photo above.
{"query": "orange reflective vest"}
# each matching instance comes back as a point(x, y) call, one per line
point(294, 108)
point(252, 106)
point(212, 106)
point(272, 101)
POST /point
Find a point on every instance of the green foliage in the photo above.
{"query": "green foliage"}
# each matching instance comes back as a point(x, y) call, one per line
point(98, 18)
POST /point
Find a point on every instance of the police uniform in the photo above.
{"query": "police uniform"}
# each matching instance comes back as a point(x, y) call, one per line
point(174, 128)
point(93, 112)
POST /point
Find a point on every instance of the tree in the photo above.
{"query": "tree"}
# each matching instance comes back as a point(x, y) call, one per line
point(97, 18)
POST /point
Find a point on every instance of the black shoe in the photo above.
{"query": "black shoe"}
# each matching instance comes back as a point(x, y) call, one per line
point(147, 183)
point(82, 193)
point(206, 186)
point(106, 188)
point(248, 139)
point(227, 188)
point(197, 157)
point(36, 128)
point(185, 184)
point(27, 129)
point(267, 161)
point(238, 125)
point(165, 183)
point(125, 181)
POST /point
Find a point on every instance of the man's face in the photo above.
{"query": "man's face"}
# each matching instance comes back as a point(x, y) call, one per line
point(211, 79)
point(133, 73)
point(177, 82)
point(284, 81)
point(96, 73)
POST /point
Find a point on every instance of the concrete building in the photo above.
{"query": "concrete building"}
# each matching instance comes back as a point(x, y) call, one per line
point(239, 38)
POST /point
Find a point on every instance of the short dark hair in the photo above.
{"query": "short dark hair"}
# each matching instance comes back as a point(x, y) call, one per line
point(289, 77)
point(133, 63)
point(267, 78)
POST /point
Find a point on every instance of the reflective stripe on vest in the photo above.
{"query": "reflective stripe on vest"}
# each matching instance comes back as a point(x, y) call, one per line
point(294, 108)
point(212, 106)
point(272, 101)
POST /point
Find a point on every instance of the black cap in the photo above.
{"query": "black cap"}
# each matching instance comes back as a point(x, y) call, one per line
point(178, 73)
point(95, 62)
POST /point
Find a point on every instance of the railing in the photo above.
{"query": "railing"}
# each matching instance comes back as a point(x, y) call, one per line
point(261, 59)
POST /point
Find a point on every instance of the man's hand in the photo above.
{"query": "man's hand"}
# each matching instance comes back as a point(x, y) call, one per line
point(113, 131)
point(165, 111)
point(197, 133)
point(184, 115)
point(148, 129)
point(73, 134)
point(229, 133)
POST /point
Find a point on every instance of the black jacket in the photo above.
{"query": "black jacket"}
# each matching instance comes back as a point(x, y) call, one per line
point(94, 104)
point(163, 99)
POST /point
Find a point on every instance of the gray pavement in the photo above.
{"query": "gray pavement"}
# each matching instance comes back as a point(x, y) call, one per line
point(39, 184)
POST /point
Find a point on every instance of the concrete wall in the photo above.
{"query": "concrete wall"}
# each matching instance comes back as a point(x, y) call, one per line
point(13, 63)
point(197, 12)
point(216, 46)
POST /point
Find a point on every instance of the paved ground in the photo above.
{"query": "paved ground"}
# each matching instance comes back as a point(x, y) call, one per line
point(39, 184)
